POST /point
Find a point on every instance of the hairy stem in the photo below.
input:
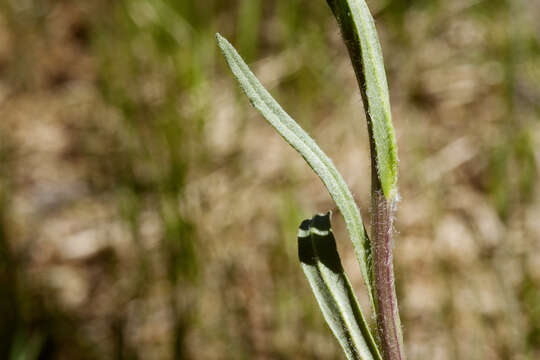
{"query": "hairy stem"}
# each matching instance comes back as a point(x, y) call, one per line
point(382, 272)
point(358, 31)
point(388, 321)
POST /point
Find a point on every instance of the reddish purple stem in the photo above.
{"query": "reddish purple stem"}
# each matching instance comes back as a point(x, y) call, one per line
point(388, 322)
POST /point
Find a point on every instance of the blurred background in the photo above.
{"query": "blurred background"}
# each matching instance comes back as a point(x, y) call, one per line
point(148, 212)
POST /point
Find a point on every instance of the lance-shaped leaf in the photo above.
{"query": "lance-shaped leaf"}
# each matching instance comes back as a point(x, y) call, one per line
point(360, 36)
point(261, 99)
point(321, 264)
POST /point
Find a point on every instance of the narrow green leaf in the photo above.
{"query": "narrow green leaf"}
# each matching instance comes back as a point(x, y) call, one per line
point(358, 30)
point(321, 264)
point(310, 151)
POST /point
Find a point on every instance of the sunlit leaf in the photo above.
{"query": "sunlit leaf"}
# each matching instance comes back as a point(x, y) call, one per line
point(261, 99)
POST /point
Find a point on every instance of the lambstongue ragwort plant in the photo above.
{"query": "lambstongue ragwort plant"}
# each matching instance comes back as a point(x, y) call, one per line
point(316, 244)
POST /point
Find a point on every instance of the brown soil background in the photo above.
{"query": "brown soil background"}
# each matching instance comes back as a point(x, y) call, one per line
point(148, 212)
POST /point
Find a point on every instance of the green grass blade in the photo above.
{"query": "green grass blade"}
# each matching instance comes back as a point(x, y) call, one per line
point(358, 30)
point(310, 151)
point(322, 266)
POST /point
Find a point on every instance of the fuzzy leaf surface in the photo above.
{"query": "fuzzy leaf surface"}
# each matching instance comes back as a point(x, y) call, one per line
point(358, 30)
point(261, 99)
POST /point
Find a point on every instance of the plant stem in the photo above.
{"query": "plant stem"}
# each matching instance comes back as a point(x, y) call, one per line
point(383, 280)
point(360, 36)
point(388, 321)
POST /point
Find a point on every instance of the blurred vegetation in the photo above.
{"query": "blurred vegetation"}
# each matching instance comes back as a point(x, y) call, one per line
point(147, 212)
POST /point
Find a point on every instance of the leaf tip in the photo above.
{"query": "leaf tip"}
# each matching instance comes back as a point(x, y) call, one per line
point(219, 38)
point(222, 42)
